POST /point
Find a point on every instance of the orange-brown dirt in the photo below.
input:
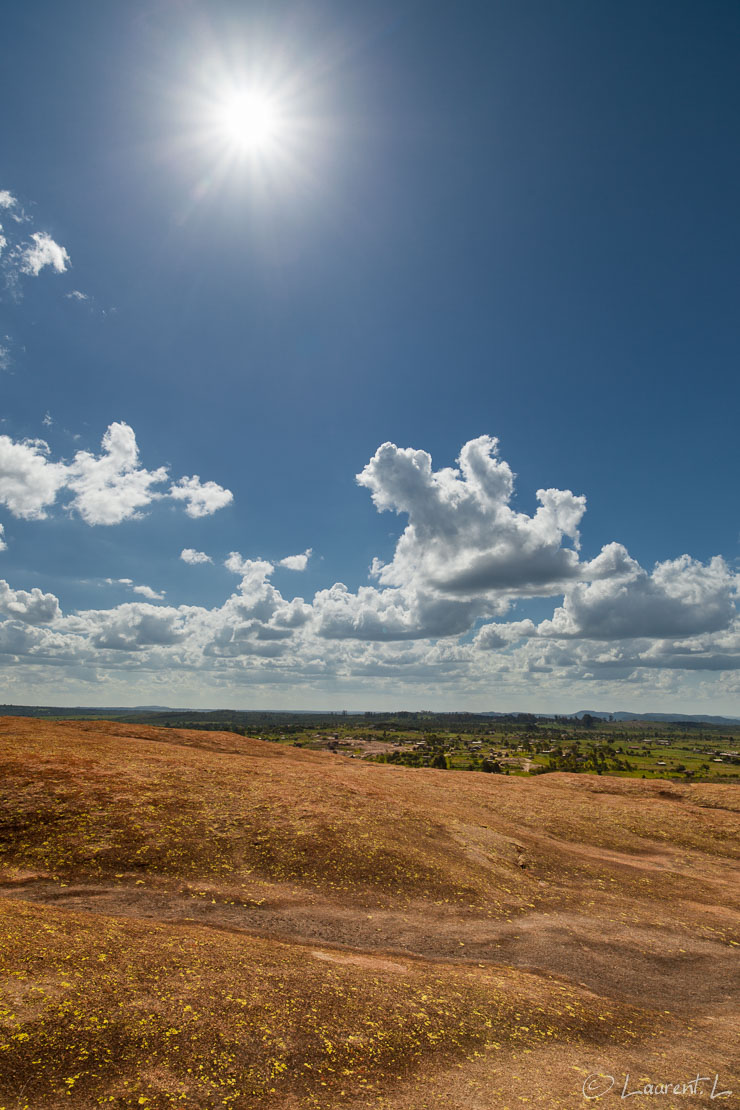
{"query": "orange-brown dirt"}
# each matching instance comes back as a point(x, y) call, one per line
point(201, 920)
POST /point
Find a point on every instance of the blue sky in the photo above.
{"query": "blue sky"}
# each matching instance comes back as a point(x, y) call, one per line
point(500, 221)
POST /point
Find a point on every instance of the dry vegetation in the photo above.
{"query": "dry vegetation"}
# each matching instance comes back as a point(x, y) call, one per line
point(201, 920)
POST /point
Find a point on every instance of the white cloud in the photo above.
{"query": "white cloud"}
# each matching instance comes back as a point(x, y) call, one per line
point(29, 483)
point(26, 255)
point(143, 591)
point(257, 612)
point(392, 614)
point(112, 487)
point(257, 636)
point(493, 636)
point(248, 568)
point(32, 607)
point(296, 562)
point(76, 295)
point(19, 256)
point(44, 252)
point(463, 539)
point(133, 626)
point(465, 554)
point(106, 489)
point(462, 519)
point(149, 593)
point(3, 544)
point(202, 498)
point(681, 597)
point(619, 628)
point(193, 557)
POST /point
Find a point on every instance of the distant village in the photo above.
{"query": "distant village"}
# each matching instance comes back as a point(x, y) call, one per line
point(679, 756)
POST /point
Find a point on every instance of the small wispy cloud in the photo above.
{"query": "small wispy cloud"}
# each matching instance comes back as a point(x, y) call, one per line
point(149, 593)
point(89, 302)
point(142, 591)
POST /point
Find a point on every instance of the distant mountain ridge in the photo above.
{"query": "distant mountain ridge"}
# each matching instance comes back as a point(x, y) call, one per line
point(698, 718)
point(96, 711)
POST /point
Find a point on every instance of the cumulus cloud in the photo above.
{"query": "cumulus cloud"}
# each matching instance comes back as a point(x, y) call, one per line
point(31, 607)
point(494, 636)
point(201, 498)
point(43, 252)
point(3, 544)
point(259, 636)
point(391, 614)
point(76, 295)
point(419, 626)
point(29, 483)
point(134, 626)
point(681, 597)
point(105, 489)
point(193, 557)
point(112, 487)
point(7, 200)
point(463, 539)
point(256, 621)
point(296, 562)
point(465, 553)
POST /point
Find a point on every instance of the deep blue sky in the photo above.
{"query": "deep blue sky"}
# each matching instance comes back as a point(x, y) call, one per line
point(515, 219)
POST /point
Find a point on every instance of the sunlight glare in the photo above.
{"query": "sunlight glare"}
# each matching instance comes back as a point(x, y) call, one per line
point(249, 122)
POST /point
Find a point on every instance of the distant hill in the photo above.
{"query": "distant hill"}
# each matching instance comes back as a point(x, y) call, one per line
point(265, 718)
point(82, 710)
point(684, 718)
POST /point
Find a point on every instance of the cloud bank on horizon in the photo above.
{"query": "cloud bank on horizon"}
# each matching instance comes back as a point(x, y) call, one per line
point(435, 615)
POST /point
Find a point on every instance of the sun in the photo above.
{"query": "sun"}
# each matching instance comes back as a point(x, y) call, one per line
point(249, 122)
point(254, 130)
